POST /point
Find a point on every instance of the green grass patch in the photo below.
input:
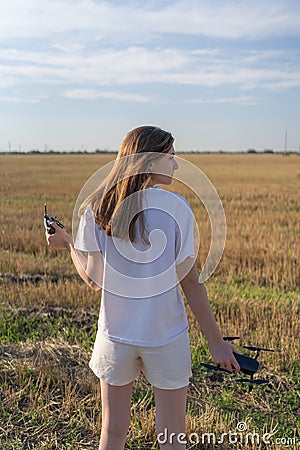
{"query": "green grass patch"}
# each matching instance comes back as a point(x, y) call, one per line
point(38, 324)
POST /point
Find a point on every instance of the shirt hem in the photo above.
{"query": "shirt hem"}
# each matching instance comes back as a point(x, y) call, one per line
point(141, 343)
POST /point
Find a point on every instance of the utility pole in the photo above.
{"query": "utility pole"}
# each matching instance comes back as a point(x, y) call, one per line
point(285, 142)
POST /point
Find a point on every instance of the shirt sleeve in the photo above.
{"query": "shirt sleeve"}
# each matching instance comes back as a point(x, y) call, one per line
point(87, 238)
point(184, 236)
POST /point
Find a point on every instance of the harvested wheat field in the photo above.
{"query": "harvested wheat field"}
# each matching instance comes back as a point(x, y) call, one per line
point(50, 399)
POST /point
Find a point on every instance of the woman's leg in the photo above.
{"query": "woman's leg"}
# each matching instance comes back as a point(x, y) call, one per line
point(116, 402)
point(170, 417)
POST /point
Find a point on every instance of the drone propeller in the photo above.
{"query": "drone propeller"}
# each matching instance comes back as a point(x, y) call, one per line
point(259, 349)
point(247, 364)
point(211, 367)
point(230, 338)
point(245, 380)
point(250, 347)
point(237, 380)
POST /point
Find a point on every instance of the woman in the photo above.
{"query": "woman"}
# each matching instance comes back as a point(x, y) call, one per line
point(139, 243)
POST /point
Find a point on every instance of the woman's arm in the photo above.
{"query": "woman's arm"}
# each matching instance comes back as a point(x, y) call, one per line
point(90, 269)
point(196, 295)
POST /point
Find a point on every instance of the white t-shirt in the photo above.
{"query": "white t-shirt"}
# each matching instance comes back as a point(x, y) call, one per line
point(141, 301)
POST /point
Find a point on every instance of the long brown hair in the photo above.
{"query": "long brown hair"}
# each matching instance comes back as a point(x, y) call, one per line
point(130, 174)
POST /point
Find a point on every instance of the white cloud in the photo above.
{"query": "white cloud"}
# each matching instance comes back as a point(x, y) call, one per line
point(90, 94)
point(142, 66)
point(255, 56)
point(239, 100)
point(103, 21)
point(87, 44)
point(104, 67)
point(21, 99)
point(291, 82)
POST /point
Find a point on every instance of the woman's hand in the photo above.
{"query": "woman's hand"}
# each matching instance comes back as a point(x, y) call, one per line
point(196, 295)
point(60, 240)
point(222, 353)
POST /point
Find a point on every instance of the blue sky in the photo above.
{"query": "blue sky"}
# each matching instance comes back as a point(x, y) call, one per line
point(218, 74)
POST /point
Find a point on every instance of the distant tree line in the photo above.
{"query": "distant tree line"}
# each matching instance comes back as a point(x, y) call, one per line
point(57, 152)
point(108, 152)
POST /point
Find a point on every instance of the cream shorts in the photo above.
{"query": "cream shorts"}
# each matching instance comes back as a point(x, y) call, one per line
point(165, 367)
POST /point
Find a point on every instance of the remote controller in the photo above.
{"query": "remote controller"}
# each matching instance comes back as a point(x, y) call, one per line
point(48, 219)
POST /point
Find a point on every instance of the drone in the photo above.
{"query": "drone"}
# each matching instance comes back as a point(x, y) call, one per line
point(248, 365)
